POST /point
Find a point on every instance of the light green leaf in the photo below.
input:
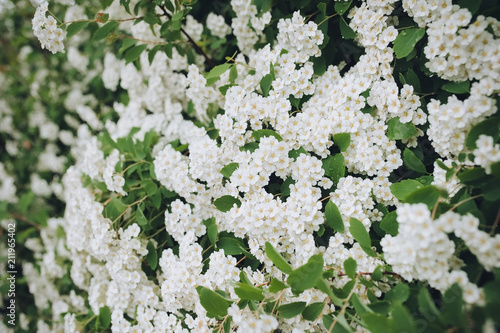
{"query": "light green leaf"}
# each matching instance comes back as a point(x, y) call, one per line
point(128, 42)
point(228, 170)
point(248, 292)
point(291, 310)
point(350, 266)
point(75, 28)
point(337, 168)
point(342, 140)
point(277, 259)
point(313, 310)
point(265, 84)
point(276, 285)
point(402, 189)
point(406, 40)
point(306, 276)
point(412, 161)
point(140, 218)
point(231, 246)
point(333, 217)
point(134, 52)
point(217, 71)
point(360, 234)
point(428, 194)
point(212, 233)
point(258, 134)
point(215, 304)
point(396, 130)
point(226, 202)
point(399, 293)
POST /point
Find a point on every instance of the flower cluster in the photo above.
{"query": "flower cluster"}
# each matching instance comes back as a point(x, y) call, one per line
point(45, 29)
point(486, 152)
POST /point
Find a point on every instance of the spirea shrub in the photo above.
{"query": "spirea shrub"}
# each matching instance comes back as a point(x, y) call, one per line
point(250, 166)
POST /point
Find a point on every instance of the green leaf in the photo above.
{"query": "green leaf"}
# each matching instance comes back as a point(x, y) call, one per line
point(412, 161)
point(360, 307)
point(342, 140)
point(335, 167)
point(403, 322)
point(292, 309)
point(457, 87)
point(406, 40)
point(453, 312)
point(250, 146)
point(26, 201)
point(427, 194)
point(491, 190)
point(313, 310)
point(152, 256)
point(346, 30)
point(212, 233)
point(402, 189)
point(265, 84)
point(377, 323)
point(149, 186)
point(233, 74)
point(215, 304)
point(75, 28)
point(399, 131)
point(140, 218)
point(390, 224)
point(231, 245)
point(226, 202)
point(426, 304)
point(248, 292)
point(258, 134)
point(377, 273)
point(105, 316)
point(134, 52)
point(217, 71)
point(412, 79)
point(305, 276)
point(105, 31)
point(350, 266)
point(489, 127)
point(276, 285)
point(399, 293)
point(128, 42)
point(360, 234)
point(277, 259)
point(228, 170)
point(114, 208)
point(471, 5)
point(333, 217)
point(342, 7)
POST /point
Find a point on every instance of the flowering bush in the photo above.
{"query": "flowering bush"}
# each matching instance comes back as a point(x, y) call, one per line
point(250, 166)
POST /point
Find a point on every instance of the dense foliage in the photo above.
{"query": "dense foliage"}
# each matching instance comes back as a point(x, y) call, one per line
point(250, 166)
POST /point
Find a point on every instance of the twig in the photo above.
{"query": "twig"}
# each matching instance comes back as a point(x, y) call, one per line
point(196, 46)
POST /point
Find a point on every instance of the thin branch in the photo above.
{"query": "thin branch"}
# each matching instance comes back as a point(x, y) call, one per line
point(196, 46)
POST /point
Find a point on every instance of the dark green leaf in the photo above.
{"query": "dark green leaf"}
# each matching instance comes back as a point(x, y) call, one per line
point(471, 5)
point(75, 28)
point(390, 224)
point(231, 245)
point(128, 42)
point(313, 310)
point(457, 87)
point(350, 266)
point(427, 194)
point(406, 40)
point(342, 6)
point(333, 217)
point(226, 202)
point(305, 276)
point(152, 256)
point(105, 316)
point(396, 130)
point(291, 310)
point(336, 168)
point(140, 218)
point(412, 161)
point(377, 273)
point(490, 127)
point(114, 208)
point(453, 312)
point(265, 84)
point(105, 31)
point(412, 79)
point(215, 304)
point(134, 52)
point(399, 293)
point(212, 233)
point(277, 259)
point(346, 30)
point(426, 304)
